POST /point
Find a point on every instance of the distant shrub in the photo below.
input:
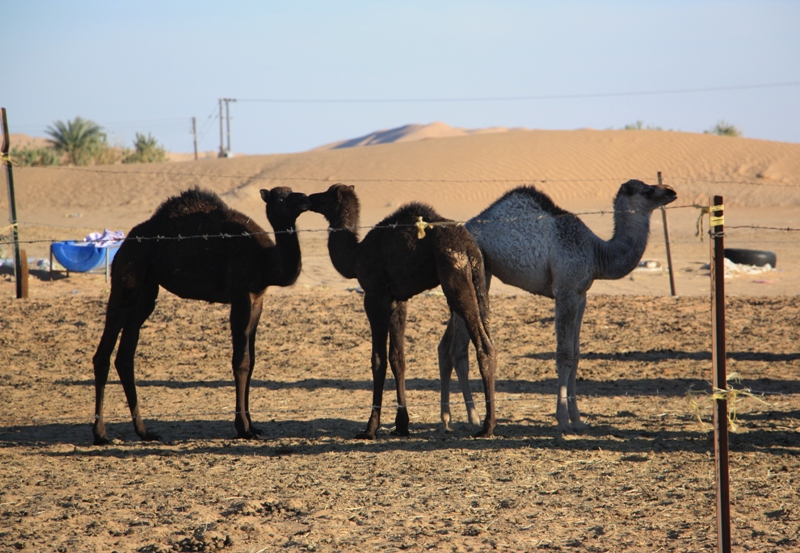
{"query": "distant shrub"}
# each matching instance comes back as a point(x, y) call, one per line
point(147, 150)
point(639, 126)
point(35, 156)
point(724, 129)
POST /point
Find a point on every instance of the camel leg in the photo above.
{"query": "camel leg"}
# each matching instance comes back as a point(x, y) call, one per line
point(568, 311)
point(124, 361)
point(115, 319)
point(241, 321)
point(445, 372)
point(379, 311)
point(572, 385)
point(397, 360)
point(255, 316)
point(454, 353)
point(462, 297)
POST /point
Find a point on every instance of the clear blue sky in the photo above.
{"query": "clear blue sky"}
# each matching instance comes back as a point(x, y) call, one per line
point(150, 66)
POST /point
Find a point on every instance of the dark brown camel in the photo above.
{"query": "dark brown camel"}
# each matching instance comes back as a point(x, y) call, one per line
point(235, 264)
point(393, 263)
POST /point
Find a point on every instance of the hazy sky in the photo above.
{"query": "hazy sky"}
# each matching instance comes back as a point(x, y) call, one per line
point(150, 66)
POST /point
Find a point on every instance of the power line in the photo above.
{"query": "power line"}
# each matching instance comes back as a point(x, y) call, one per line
point(519, 98)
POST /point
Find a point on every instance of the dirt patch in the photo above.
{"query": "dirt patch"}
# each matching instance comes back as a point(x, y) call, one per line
point(641, 479)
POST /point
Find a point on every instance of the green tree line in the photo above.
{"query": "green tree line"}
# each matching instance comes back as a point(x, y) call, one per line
point(83, 142)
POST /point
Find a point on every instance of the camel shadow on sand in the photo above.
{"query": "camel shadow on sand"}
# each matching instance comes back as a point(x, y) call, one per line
point(326, 435)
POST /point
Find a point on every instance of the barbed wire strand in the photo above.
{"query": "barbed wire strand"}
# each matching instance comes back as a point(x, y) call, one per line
point(371, 227)
point(520, 98)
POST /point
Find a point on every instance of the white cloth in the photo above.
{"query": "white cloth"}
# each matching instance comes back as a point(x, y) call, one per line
point(106, 238)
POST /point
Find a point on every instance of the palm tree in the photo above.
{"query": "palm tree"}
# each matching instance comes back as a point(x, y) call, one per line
point(79, 139)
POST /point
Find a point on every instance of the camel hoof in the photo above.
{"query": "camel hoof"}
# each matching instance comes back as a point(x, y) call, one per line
point(366, 436)
point(574, 428)
point(101, 440)
point(256, 431)
point(404, 433)
point(485, 434)
point(150, 437)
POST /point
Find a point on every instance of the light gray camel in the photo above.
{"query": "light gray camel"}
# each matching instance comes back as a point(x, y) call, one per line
point(236, 270)
point(394, 263)
point(529, 242)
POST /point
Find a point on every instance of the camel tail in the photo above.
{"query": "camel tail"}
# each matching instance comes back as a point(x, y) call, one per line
point(479, 282)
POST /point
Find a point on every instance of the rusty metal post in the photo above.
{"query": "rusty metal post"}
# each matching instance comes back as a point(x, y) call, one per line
point(720, 381)
point(666, 241)
point(20, 271)
point(22, 278)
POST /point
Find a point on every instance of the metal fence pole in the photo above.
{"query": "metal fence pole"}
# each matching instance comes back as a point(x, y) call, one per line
point(666, 241)
point(20, 270)
point(720, 381)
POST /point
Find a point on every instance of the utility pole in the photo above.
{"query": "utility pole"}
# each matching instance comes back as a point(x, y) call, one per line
point(228, 122)
point(194, 134)
point(221, 147)
point(225, 152)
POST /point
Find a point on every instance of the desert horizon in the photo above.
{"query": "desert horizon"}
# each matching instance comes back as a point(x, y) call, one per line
point(460, 172)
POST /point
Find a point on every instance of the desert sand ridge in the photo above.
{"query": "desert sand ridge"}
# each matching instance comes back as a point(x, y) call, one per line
point(457, 175)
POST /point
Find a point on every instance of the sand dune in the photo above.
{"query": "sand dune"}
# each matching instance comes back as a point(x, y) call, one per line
point(409, 133)
point(458, 175)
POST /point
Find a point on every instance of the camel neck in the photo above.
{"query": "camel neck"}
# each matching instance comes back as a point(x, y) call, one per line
point(620, 255)
point(287, 247)
point(343, 248)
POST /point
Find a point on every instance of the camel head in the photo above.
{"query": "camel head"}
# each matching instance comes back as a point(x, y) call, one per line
point(284, 206)
point(338, 204)
point(636, 196)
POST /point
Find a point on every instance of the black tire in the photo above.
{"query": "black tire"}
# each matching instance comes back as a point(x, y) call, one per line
point(759, 258)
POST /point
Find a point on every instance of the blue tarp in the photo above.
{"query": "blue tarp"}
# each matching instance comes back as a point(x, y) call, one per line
point(81, 257)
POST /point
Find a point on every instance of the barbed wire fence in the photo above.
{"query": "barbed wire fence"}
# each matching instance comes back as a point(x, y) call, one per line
point(702, 211)
point(366, 228)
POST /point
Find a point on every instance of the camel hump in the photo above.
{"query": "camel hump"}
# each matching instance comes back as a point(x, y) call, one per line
point(193, 200)
point(533, 197)
point(410, 213)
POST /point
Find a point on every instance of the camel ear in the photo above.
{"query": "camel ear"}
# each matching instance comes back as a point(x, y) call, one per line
point(264, 195)
point(629, 188)
point(340, 190)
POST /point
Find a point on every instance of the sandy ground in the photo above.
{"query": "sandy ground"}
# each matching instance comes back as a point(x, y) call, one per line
point(641, 479)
